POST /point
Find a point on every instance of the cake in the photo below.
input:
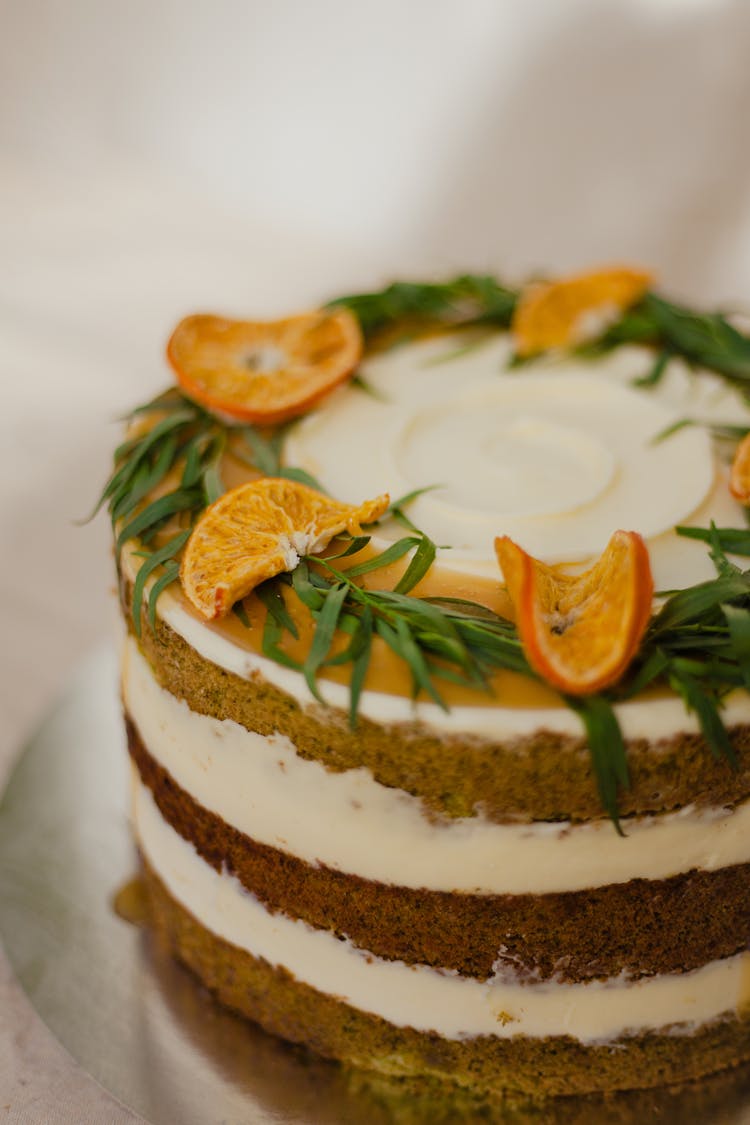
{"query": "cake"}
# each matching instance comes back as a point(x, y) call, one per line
point(386, 805)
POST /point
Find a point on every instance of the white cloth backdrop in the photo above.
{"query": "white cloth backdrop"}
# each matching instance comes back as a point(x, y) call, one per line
point(162, 156)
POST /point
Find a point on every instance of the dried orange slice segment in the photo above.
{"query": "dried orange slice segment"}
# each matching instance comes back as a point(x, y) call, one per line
point(258, 530)
point(739, 477)
point(580, 632)
point(264, 372)
point(558, 314)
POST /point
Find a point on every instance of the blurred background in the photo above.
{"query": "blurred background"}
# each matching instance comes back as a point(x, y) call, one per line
point(164, 157)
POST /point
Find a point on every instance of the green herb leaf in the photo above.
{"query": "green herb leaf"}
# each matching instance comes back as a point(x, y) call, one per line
point(706, 708)
point(656, 374)
point(361, 664)
point(738, 620)
point(146, 569)
point(469, 299)
point(607, 749)
point(171, 574)
point(326, 620)
point(421, 561)
point(270, 596)
point(390, 555)
point(732, 539)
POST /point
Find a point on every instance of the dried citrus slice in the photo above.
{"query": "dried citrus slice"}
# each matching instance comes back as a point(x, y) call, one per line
point(558, 314)
point(260, 371)
point(258, 530)
point(580, 632)
point(739, 478)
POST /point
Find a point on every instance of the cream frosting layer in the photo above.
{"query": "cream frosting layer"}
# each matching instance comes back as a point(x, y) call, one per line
point(556, 458)
point(557, 455)
point(651, 719)
point(260, 786)
point(424, 998)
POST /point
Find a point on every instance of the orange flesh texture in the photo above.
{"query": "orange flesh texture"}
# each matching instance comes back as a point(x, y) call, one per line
point(264, 372)
point(581, 632)
point(739, 479)
point(552, 315)
point(251, 532)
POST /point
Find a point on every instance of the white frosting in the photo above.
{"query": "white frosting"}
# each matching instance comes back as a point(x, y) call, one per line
point(423, 998)
point(260, 786)
point(558, 456)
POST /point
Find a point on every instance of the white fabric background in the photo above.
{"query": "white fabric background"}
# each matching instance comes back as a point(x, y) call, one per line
point(162, 157)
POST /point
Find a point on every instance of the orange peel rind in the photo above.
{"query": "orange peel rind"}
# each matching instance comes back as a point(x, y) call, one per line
point(559, 314)
point(264, 371)
point(257, 531)
point(739, 477)
point(580, 632)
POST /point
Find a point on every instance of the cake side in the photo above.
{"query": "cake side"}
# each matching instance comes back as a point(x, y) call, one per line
point(366, 819)
point(599, 968)
point(534, 1066)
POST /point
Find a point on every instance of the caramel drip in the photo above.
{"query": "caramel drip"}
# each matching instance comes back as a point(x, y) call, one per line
point(387, 672)
point(131, 902)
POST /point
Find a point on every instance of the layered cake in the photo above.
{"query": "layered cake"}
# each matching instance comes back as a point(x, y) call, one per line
point(436, 680)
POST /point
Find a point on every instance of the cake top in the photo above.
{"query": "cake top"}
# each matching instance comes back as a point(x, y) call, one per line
point(582, 447)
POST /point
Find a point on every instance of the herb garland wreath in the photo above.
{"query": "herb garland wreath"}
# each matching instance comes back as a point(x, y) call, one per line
point(698, 642)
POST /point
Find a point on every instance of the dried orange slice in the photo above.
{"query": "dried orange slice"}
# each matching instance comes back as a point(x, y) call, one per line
point(739, 478)
point(258, 530)
point(558, 314)
point(580, 632)
point(264, 372)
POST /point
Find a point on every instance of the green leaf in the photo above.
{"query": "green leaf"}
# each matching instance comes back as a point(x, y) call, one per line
point(705, 707)
point(650, 670)
point(464, 300)
point(693, 603)
point(400, 640)
point(656, 374)
point(308, 594)
point(273, 632)
point(607, 750)
point(673, 428)
point(265, 454)
point(421, 561)
point(326, 620)
point(194, 453)
point(356, 544)
point(213, 485)
point(738, 621)
point(270, 596)
point(732, 539)
point(150, 563)
point(364, 385)
point(136, 450)
point(706, 339)
point(302, 477)
point(239, 611)
point(170, 575)
point(390, 555)
point(409, 498)
point(360, 665)
point(157, 512)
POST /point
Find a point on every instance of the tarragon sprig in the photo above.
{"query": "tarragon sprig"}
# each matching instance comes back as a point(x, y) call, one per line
point(469, 299)
point(702, 339)
point(167, 473)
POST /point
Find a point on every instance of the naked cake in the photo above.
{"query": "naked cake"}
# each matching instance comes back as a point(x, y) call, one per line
point(436, 679)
